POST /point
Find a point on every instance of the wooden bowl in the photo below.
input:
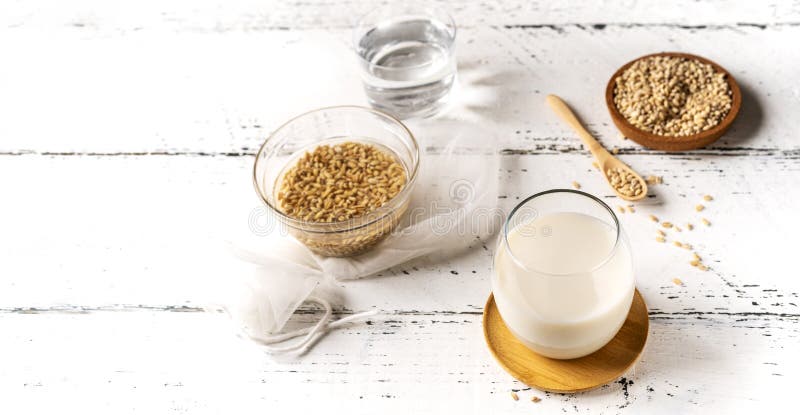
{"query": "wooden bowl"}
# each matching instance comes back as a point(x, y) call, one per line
point(672, 143)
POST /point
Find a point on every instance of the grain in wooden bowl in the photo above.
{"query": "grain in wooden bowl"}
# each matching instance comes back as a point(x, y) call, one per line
point(673, 101)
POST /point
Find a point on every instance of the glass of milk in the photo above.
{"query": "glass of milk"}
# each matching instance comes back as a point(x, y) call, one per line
point(563, 276)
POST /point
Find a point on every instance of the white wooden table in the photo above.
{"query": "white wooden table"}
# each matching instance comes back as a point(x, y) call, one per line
point(127, 135)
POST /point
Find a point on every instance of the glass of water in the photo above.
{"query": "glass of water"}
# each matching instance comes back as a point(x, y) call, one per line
point(406, 54)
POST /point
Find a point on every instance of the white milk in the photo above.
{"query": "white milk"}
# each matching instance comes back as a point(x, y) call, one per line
point(559, 297)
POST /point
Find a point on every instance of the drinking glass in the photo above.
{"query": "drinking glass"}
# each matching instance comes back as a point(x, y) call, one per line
point(406, 55)
point(563, 274)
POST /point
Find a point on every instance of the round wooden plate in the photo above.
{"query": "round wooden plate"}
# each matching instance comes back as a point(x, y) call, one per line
point(671, 143)
point(574, 375)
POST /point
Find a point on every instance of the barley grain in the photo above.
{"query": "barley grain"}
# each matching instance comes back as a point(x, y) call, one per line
point(672, 96)
point(339, 182)
point(624, 181)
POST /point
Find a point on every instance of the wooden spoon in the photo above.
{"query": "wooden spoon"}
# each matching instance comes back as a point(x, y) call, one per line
point(625, 182)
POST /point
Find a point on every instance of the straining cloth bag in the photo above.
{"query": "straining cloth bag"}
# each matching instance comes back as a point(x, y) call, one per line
point(452, 204)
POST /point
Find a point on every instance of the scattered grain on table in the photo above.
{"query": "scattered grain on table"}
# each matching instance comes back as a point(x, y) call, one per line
point(653, 180)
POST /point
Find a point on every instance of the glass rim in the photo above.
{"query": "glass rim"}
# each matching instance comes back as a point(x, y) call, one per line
point(351, 224)
point(606, 258)
point(428, 9)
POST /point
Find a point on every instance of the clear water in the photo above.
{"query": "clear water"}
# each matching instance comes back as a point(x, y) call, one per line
point(408, 66)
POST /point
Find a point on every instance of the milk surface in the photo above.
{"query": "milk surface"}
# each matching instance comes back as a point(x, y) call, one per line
point(566, 290)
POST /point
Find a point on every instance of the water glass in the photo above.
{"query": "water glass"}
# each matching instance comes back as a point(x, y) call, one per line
point(406, 56)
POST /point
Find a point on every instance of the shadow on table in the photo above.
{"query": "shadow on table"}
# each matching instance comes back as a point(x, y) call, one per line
point(674, 350)
point(749, 121)
point(490, 96)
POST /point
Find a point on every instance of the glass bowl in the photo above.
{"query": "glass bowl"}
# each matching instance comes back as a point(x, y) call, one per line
point(331, 126)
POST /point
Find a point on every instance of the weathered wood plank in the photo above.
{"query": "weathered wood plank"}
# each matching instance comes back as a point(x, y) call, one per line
point(249, 15)
point(222, 93)
point(190, 362)
point(105, 231)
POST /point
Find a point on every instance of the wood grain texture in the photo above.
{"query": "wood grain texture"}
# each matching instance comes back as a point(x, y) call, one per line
point(572, 375)
point(125, 152)
point(420, 362)
point(287, 15)
point(211, 93)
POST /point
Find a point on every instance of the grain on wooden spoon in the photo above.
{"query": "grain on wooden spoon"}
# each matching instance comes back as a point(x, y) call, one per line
point(625, 182)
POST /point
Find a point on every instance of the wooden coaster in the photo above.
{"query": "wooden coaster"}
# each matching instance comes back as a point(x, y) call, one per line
point(574, 375)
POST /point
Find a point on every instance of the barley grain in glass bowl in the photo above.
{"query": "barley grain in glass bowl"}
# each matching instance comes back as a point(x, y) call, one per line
point(335, 127)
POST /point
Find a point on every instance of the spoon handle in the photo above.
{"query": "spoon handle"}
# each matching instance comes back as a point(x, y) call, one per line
point(565, 113)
